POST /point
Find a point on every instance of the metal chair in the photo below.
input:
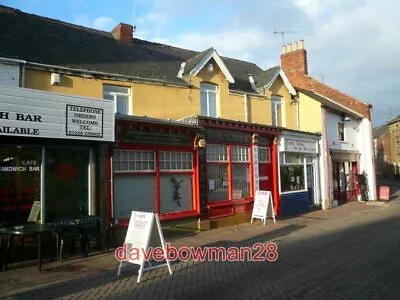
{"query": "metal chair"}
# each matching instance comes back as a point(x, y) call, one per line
point(67, 231)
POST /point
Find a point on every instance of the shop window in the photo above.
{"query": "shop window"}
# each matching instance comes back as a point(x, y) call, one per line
point(292, 172)
point(219, 165)
point(133, 161)
point(208, 100)
point(138, 174)
point(276, 111)
point(264, 155)
point(341, 131)
point(19, 181)
point(120, 96)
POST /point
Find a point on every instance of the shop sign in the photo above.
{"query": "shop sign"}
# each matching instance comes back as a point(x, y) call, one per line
point(262, 201)
point(32, 113)
point(300, 146)
point(144, 231)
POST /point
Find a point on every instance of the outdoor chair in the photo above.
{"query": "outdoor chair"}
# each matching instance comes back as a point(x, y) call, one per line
point(93, 230)
point(68, 231)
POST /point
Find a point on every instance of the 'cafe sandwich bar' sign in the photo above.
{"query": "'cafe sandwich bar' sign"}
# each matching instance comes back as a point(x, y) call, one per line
point(32, 113)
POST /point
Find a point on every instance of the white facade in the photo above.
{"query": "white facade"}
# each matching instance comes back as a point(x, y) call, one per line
point(357, 145)
point(32, 113)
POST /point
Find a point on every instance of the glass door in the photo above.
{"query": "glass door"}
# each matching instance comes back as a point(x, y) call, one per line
point(310, 184)
point(66, 183)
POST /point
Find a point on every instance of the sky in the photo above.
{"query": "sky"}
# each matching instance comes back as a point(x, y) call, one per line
point(352, 45)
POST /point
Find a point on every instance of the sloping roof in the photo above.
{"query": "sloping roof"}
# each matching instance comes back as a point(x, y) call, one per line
point(394, 120)
point(331, 104)
point(265, 76)
point(43, 40)
point(308, 83)
point(379, 131)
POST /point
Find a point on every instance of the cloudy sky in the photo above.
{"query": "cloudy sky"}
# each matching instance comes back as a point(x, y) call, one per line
point(352, 45)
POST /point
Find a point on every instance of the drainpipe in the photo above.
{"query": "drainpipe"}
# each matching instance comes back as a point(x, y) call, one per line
point(246, 109)
point(328, 175)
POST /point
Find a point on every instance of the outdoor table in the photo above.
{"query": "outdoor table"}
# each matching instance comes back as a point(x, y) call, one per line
point(37, 230)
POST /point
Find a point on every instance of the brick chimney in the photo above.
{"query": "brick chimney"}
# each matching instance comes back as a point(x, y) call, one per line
point(294, 58)
point(123, 33)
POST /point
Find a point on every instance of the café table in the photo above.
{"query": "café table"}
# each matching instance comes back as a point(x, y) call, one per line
point(36, 230)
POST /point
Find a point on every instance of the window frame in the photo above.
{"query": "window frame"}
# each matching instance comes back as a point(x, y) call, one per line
point(207, 91)
point(157, 172)
point(268, 151)
point(229, 162)
point(276, 101)
point(115, 95)
point(341, 133)
point(302, 162)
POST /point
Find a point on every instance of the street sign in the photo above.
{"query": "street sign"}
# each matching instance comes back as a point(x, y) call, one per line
point(384, 193)
point(263, 201)
point(144, 231)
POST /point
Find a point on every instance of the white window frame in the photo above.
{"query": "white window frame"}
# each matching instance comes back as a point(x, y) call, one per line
point(275, 101)
point(184, 159)
point(208, 91)
point(115, 94)
point(131, 161)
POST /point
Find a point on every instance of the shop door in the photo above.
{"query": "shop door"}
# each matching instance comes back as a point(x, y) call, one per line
point(264, 169)
point(310, 184)
point(352, 182)
point(339, 182)
point(66, 183)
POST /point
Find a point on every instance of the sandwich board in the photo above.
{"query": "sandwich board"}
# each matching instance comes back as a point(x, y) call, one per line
point(262, 201)
point(144, 231)
point(35, 211)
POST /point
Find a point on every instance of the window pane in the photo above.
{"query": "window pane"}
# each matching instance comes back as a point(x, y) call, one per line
point(240, 154)
point(173, 161)
point(292, 178)
point(122, 104)
point(217, 152)
point(19, 181)
point(291, 158)
point(176, 193)
point(212, 104)
point(263, 154)
point(66, 182)
point(240, 181)
point(217, 176)
point(109, 89)
point(136, 192)
point(132, 160)
point(203, 103)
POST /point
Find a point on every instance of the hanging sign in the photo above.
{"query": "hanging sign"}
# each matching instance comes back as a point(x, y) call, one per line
point(144, 231)
point(262, 202)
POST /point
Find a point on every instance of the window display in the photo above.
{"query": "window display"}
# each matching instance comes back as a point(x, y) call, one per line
point(19, 181)
point(228, 173)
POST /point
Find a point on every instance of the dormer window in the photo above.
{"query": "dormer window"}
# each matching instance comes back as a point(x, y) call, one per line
point(208, 99)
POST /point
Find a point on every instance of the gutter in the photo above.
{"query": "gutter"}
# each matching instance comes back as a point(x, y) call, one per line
point(85, 73)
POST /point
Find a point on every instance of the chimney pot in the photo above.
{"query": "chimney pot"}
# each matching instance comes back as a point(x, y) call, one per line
point(301, 44)
point(294, 61)
point(283, 49)
point(123, 33)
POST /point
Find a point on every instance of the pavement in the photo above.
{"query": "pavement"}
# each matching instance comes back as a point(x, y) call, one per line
point(349, 252)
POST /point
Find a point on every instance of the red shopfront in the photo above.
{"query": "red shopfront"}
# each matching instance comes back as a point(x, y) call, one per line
point(154, 168)
point(230, 168)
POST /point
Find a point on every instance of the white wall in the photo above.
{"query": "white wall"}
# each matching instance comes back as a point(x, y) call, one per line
point(9, 74)
point(351, 133)
point(367, 161)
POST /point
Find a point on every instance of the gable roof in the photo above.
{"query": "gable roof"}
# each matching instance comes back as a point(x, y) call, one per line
point(196, 63)
point(43, 40)
point(307, 83)
point(268, 77)
point(394, 120)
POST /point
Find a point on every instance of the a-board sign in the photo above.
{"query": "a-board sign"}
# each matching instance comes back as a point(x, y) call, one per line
point(35, 211)
point(144, 231)
point(384, 193)
point(263, 202)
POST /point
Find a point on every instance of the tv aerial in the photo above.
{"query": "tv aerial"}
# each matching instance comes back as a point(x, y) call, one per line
point(282, 33)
